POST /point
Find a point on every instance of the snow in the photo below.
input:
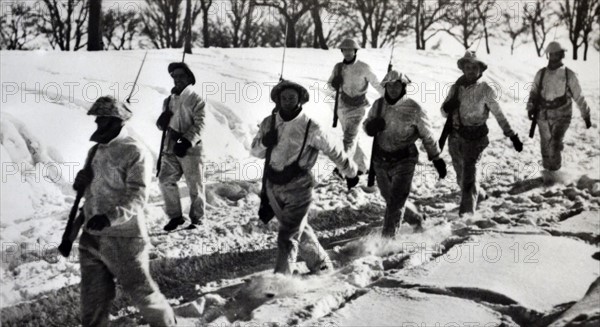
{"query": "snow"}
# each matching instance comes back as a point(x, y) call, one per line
point(44, 133)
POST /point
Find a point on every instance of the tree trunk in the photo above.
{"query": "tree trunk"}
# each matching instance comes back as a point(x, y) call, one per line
point(575, 48)
point(248, 26)
point(487, 43)
point(417, 25)
point(188, 27)
point(205, 34)
point(291, 34)
point(319, 40)
point(95, 26)
point(535, 40)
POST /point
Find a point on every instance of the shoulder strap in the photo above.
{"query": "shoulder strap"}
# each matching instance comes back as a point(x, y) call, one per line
point(88, 161)
point(304, 142)
point(542, 81)
point(566, 80)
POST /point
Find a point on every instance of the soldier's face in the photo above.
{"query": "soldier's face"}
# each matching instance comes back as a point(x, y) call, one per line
point(471, 71)
point(394, 89)
point(180, 79)
point(348, 54)
point(289, 100)
point(556, 57)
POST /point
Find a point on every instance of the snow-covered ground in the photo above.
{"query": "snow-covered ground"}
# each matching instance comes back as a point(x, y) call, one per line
point(44, 133)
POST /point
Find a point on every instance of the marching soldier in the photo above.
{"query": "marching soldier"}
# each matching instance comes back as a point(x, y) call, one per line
point(351, 78)
point(398, 122)
point(293, 142)
point(182, 121)
point(469, 104)
point(550, 104)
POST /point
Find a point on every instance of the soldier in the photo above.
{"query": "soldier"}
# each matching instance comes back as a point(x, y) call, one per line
point(550, 103)
point(115, 242)
point(398, 122)
point(294, 142)
point(182, 121)
point(469, 103)
point(352, 78)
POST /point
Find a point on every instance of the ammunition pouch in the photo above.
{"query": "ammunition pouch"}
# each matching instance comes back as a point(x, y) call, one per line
point(397, 155)
point(288, 174)
point(472, 133)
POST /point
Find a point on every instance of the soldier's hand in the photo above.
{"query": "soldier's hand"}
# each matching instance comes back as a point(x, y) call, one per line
point(588, 123)
point(181, 147)
point(352, 182)
point(163, 120)
point(375, 126)
point(531, 114)
point(270, 139)
point(83, 179)
point(451, 105)
point(517, 144)
point(440, 166)
point(337, 82)
point(98, 222)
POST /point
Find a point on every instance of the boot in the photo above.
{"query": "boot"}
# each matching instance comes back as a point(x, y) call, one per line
point(173, 223)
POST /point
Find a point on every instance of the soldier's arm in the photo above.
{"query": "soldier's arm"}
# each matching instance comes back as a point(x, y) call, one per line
point(193, 134)
point(332, 76)
point(453, 89)
point(138, 176)
point(321, 141)
point(533, 92)
point(424, 130)
point(577, 95)
point(373, 80)
point(371, 114)
point(492, 104)
point(258, 149)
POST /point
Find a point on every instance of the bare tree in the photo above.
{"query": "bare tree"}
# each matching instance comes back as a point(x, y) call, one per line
point(64, 22)
point(241, 17)
point(205, 7)
point(538, 17)
point(187, 27)
point(428, 13)
point(163, 23)
point(95, 26)
point(292, 11)
point(400, 24)
point(119, 28)
point(373, 14)
point(319, 41)
point(463, 16)
point(515, 31)
point(579, 15)
point(17, 26)
point(592, 12)
point(487, 11)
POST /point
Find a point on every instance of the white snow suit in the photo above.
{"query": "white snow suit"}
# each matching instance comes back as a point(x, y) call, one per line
point(187, 122)
point(352, 104)
point(396, 156)
point(554, 116)
point(468, 137)
point(122, 170)
point(291, 201)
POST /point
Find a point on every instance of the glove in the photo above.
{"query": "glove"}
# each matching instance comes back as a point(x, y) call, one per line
point(440, 166)
point(83, 179)
point(531, 114)
point(337, 82)
point(375, 126)
point(352, 182)
point(588, 122)
point(181, 147)
point(517, 144)
point(98, 222)
point(451, 105)
point(163, 120)
point(270, 139)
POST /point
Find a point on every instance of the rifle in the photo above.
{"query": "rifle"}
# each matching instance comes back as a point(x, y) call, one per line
point(74, 224)
point(449, 108)
point(162, 139)
point(136, 78)
point(265, 211)
point(536, 102)
point(337, 96)
point(371, 177)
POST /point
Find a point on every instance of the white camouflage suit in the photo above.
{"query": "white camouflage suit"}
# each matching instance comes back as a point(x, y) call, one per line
point(122, 171)
point(291, 201)
point(356, 76)
point(553, 123)
point(188, 120)
point(405, 122)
